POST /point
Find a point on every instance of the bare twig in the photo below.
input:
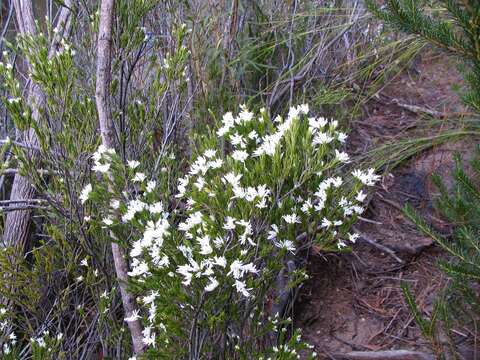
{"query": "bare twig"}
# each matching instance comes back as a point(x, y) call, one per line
point(381, 247)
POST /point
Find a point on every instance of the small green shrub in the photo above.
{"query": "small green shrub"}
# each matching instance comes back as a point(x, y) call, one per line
point(460, 302)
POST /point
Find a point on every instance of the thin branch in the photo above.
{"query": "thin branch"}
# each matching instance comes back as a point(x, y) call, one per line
point(102, 96)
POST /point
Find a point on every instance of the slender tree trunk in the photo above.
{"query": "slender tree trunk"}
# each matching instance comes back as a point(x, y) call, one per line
point(17, 223)
point(102, 95)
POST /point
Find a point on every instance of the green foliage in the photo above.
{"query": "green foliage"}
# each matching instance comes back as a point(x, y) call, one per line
point(428, 326)
point(453, 26)
point(460, 206)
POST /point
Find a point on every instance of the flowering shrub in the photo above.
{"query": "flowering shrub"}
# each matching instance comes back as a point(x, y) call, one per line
point(207, 259)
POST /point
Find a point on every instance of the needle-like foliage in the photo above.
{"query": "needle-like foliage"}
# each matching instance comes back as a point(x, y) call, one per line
point(453, 25)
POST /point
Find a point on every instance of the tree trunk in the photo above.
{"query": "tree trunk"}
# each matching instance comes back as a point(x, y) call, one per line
point(17, 223)
point(102, 95)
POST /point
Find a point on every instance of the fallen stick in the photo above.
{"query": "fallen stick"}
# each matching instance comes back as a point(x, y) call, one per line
point(381, 247)
point(385, 355)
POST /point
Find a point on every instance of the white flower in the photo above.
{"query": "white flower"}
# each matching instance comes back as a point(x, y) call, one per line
point(316, 124)
point(139, 177)
point(240, 155)
point(200, 183)
point(341, 244)
point(205, 248)
point(321, 138)
point(133, 164)
point(182, 187)
point(285, 244)
point(229, 223)
point(341, 156)
point(212, 285)
point(160, 262)
point(133, 207)
point(215, 164)
point(238, 269)
point(245, 115)
point(218, 242)
point(155, 232)
point(192, 221)
point(101, 168)
point(114, 204)
point(342, 137)
point(139, 268)
point(291, 219)
point(210, 153)
point(353, 237)
point(152, 312)
point(307, 206)
point(148, 336)
point(246, 234)
point(41, 342)
point(242, 288)
point(358, 209)
point(220, 261)
point(133, 317)
point(84, 262)
point(228, 122)
point(326, 223)
point(252, 135)
point(85, 193)
point(150, 298)
point(272, 234)
point(199, 166)
point(303, 108)
point(151, 185)
point(188, 270)
point(156, 208)
point(361, 196)
point(367, 178)
point(336, 182)
point(238, 140)
point(107, 221)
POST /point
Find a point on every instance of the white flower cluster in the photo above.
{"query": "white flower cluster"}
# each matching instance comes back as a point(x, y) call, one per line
point(142, 213)
point(11, 339)
point(235, 208)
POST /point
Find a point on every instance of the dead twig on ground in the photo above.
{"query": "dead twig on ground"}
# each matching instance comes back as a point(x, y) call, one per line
point(381, 247)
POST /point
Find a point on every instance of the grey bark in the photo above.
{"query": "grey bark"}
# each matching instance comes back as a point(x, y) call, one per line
point(17, 223)
point(102, 95)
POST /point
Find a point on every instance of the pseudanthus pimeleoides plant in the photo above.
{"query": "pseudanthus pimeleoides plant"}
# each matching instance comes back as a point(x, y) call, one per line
point(206, 258)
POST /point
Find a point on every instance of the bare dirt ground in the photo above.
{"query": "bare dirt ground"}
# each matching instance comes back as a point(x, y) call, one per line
point(353, 302)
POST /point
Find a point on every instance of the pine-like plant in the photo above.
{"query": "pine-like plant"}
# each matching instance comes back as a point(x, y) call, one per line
point(453, 25)
point(460, 206)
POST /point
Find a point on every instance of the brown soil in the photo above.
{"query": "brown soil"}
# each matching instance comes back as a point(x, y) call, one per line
point(353, 302)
